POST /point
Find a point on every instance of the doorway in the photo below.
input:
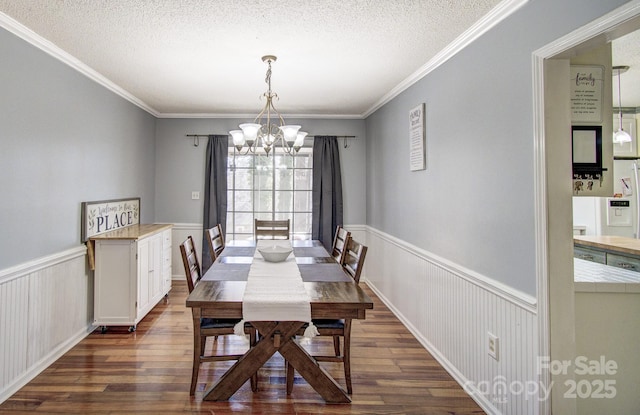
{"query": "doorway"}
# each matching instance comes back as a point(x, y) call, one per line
point(554, 222)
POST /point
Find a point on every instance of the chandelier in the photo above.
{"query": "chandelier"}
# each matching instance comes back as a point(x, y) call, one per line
point(268, 128)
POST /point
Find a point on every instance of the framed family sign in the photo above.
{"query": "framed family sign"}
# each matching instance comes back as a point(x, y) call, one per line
point(107, 215)
point(417, 153)
point(587, 84)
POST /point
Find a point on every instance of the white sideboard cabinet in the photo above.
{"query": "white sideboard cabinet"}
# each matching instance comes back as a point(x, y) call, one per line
point(132, 273)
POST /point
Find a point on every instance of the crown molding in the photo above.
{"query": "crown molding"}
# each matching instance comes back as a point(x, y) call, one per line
point(251, 116)
point(487, 22)
point(28, 35)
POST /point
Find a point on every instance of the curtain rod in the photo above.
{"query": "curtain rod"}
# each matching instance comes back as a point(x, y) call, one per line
point(196, 137)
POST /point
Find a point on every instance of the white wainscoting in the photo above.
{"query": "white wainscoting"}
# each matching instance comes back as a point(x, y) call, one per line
point(450, 310)
point(46, 307)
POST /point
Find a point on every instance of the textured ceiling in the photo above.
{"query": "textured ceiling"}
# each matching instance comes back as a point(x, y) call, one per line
point(204, 56)
point(625, 51)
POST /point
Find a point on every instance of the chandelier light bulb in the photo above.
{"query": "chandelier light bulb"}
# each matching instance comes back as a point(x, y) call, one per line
point(238, 139)
point(250, 131)
point(299, 140)
point(290, 133)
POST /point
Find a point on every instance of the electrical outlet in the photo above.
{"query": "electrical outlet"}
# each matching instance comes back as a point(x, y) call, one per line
point(195, 195)
point(493, 345)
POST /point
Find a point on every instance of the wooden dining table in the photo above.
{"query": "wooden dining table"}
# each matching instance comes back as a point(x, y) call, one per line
point(333, 295)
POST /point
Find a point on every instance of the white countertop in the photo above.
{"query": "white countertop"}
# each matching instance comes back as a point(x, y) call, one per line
point(594, 277)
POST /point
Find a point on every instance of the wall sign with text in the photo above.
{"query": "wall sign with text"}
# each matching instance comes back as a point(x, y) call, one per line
point(587, 84)
point(417, 153)
point(107, 215)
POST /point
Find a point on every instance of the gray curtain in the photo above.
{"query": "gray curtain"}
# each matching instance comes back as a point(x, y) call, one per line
point(215, 191)
point(327, 189)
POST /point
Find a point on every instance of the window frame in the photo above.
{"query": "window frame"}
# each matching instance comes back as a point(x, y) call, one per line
point(233, 232)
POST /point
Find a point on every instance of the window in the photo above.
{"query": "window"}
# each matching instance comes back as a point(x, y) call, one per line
point(274, 187)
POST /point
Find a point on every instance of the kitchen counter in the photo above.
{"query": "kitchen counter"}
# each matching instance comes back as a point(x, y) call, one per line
point(593, 277)
point(612, 243)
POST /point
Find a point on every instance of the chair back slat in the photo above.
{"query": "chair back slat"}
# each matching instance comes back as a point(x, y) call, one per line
point(354, 259)
point(340, 242)
point(216, 241)
point(272, 229)
point(190, 261)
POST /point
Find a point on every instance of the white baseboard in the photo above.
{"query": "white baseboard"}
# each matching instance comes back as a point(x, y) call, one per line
point(44, 363)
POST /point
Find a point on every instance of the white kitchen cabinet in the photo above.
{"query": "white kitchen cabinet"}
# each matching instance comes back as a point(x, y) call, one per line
point(626, 149)
point(132, 273)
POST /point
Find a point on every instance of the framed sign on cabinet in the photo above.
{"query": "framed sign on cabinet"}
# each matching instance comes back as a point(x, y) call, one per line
point(107, 215)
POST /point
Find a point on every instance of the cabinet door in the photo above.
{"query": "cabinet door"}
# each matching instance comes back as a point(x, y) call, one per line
point(166, 261)
point(155, 273)
point(115, 282)
point(144, 262)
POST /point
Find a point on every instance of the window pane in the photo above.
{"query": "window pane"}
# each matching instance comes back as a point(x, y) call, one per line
point(284, 201)
point(264, 201)
point(264, 216)
point(263, 162)
point(243, 179)
point(302, 224)
point(264, 179)
point(303, 161)
point(304, 179)
point(243, 201)
point(302, 202)
point(283, 161)
point(284, 179)
point(243, 223)
point(283, 216)
point(241, 161)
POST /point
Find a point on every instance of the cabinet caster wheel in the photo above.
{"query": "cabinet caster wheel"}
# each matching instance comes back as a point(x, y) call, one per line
point(132, 329)
point(103, 329)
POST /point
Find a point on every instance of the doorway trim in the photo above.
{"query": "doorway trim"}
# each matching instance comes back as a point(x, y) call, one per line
point(601, 30)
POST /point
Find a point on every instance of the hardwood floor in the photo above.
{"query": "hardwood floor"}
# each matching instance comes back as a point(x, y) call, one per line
point(149, 371)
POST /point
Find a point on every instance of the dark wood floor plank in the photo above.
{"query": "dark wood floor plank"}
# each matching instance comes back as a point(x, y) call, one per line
point(149, 372)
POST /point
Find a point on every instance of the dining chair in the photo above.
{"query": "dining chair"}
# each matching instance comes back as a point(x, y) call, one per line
point(272, 229)
point(209, 326)
point(352, 266)
point(216, 241)
point(340, 240)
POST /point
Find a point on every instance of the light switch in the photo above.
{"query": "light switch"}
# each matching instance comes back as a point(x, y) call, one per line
point(195, 195)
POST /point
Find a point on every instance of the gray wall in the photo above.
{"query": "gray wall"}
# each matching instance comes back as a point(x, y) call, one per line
point(474, 205)
point(64, 140)
point(180, 165)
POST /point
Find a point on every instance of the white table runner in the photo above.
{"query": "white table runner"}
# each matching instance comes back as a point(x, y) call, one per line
point(275, 291)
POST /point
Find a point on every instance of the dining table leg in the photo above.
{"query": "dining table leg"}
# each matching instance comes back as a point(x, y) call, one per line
point(274, 337)
point(309, 368)
point(253, 360)
point(313, 373)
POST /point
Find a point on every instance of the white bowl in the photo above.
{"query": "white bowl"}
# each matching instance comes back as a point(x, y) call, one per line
point(275, 253)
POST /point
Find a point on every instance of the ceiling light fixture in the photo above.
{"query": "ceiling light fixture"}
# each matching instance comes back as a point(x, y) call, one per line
point(620, 136)
point(268, 127)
